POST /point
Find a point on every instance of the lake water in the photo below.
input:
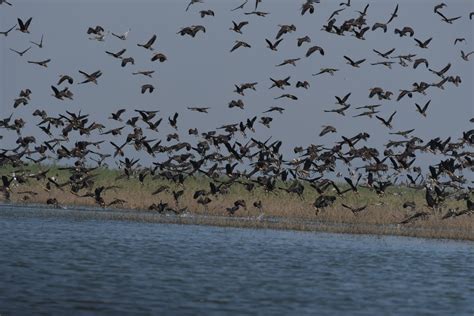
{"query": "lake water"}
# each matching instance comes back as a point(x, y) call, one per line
point(68, 262)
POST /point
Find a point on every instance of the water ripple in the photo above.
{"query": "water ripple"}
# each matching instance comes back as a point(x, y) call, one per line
point(61, 265)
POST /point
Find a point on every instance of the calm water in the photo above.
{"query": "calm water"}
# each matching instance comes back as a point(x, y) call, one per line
point(66, 262)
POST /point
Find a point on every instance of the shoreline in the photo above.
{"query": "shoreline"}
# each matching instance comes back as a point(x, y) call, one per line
point(267, 222)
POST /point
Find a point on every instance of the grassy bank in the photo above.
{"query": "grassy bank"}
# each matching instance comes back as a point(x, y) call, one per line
point(382, 215)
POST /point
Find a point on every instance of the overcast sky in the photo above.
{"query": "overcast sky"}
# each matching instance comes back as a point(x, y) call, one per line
point(202, 72)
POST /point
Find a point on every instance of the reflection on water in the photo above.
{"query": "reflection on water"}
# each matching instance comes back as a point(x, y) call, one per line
point(56, 263)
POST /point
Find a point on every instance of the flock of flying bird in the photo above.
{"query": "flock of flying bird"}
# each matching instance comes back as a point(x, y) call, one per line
point(221, 156)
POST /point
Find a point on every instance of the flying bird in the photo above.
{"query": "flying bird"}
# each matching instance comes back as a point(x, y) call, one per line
point(388, 122)
point(90, 77)
point(422, 110)
point(355, 64)
point(330, 71)
point(240, 6)
point(204, 13)
point(40, 44)
point(8, 31)
point(148, 45)
point(23, 26)
point(273, 46)
point(289, 62)
point(147, 87)
point(305, 39)
point(198, 109)
point(384, 55)
point(147, 73)
point(238, 27)
point(327, 129)
point(22, 52)
point(118, 54)
point(193, 2)
point(240, 44)
point(448, 20)
point(466, 56)
point(63, 78)
point(404, 31)
point(160, 57)
point(313, 49)
point(423, 44)
point(43, 63)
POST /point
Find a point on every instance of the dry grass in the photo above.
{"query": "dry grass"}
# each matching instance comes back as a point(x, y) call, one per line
point(380, 217)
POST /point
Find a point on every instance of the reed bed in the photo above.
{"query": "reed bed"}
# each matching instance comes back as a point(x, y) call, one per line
point(382, 215)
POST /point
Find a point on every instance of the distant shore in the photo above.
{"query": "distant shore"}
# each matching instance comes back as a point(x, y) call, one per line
point(160, 200)
point(418, 230)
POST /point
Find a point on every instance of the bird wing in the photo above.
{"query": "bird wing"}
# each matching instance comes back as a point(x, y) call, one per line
point(20, 22)
point(391, 116)
point(27, 24)
point(351, 61)
point(426, 105)
point(151, 41)
point(236, 46)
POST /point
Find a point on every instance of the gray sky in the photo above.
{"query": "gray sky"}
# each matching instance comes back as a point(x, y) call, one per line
point(200, 71)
